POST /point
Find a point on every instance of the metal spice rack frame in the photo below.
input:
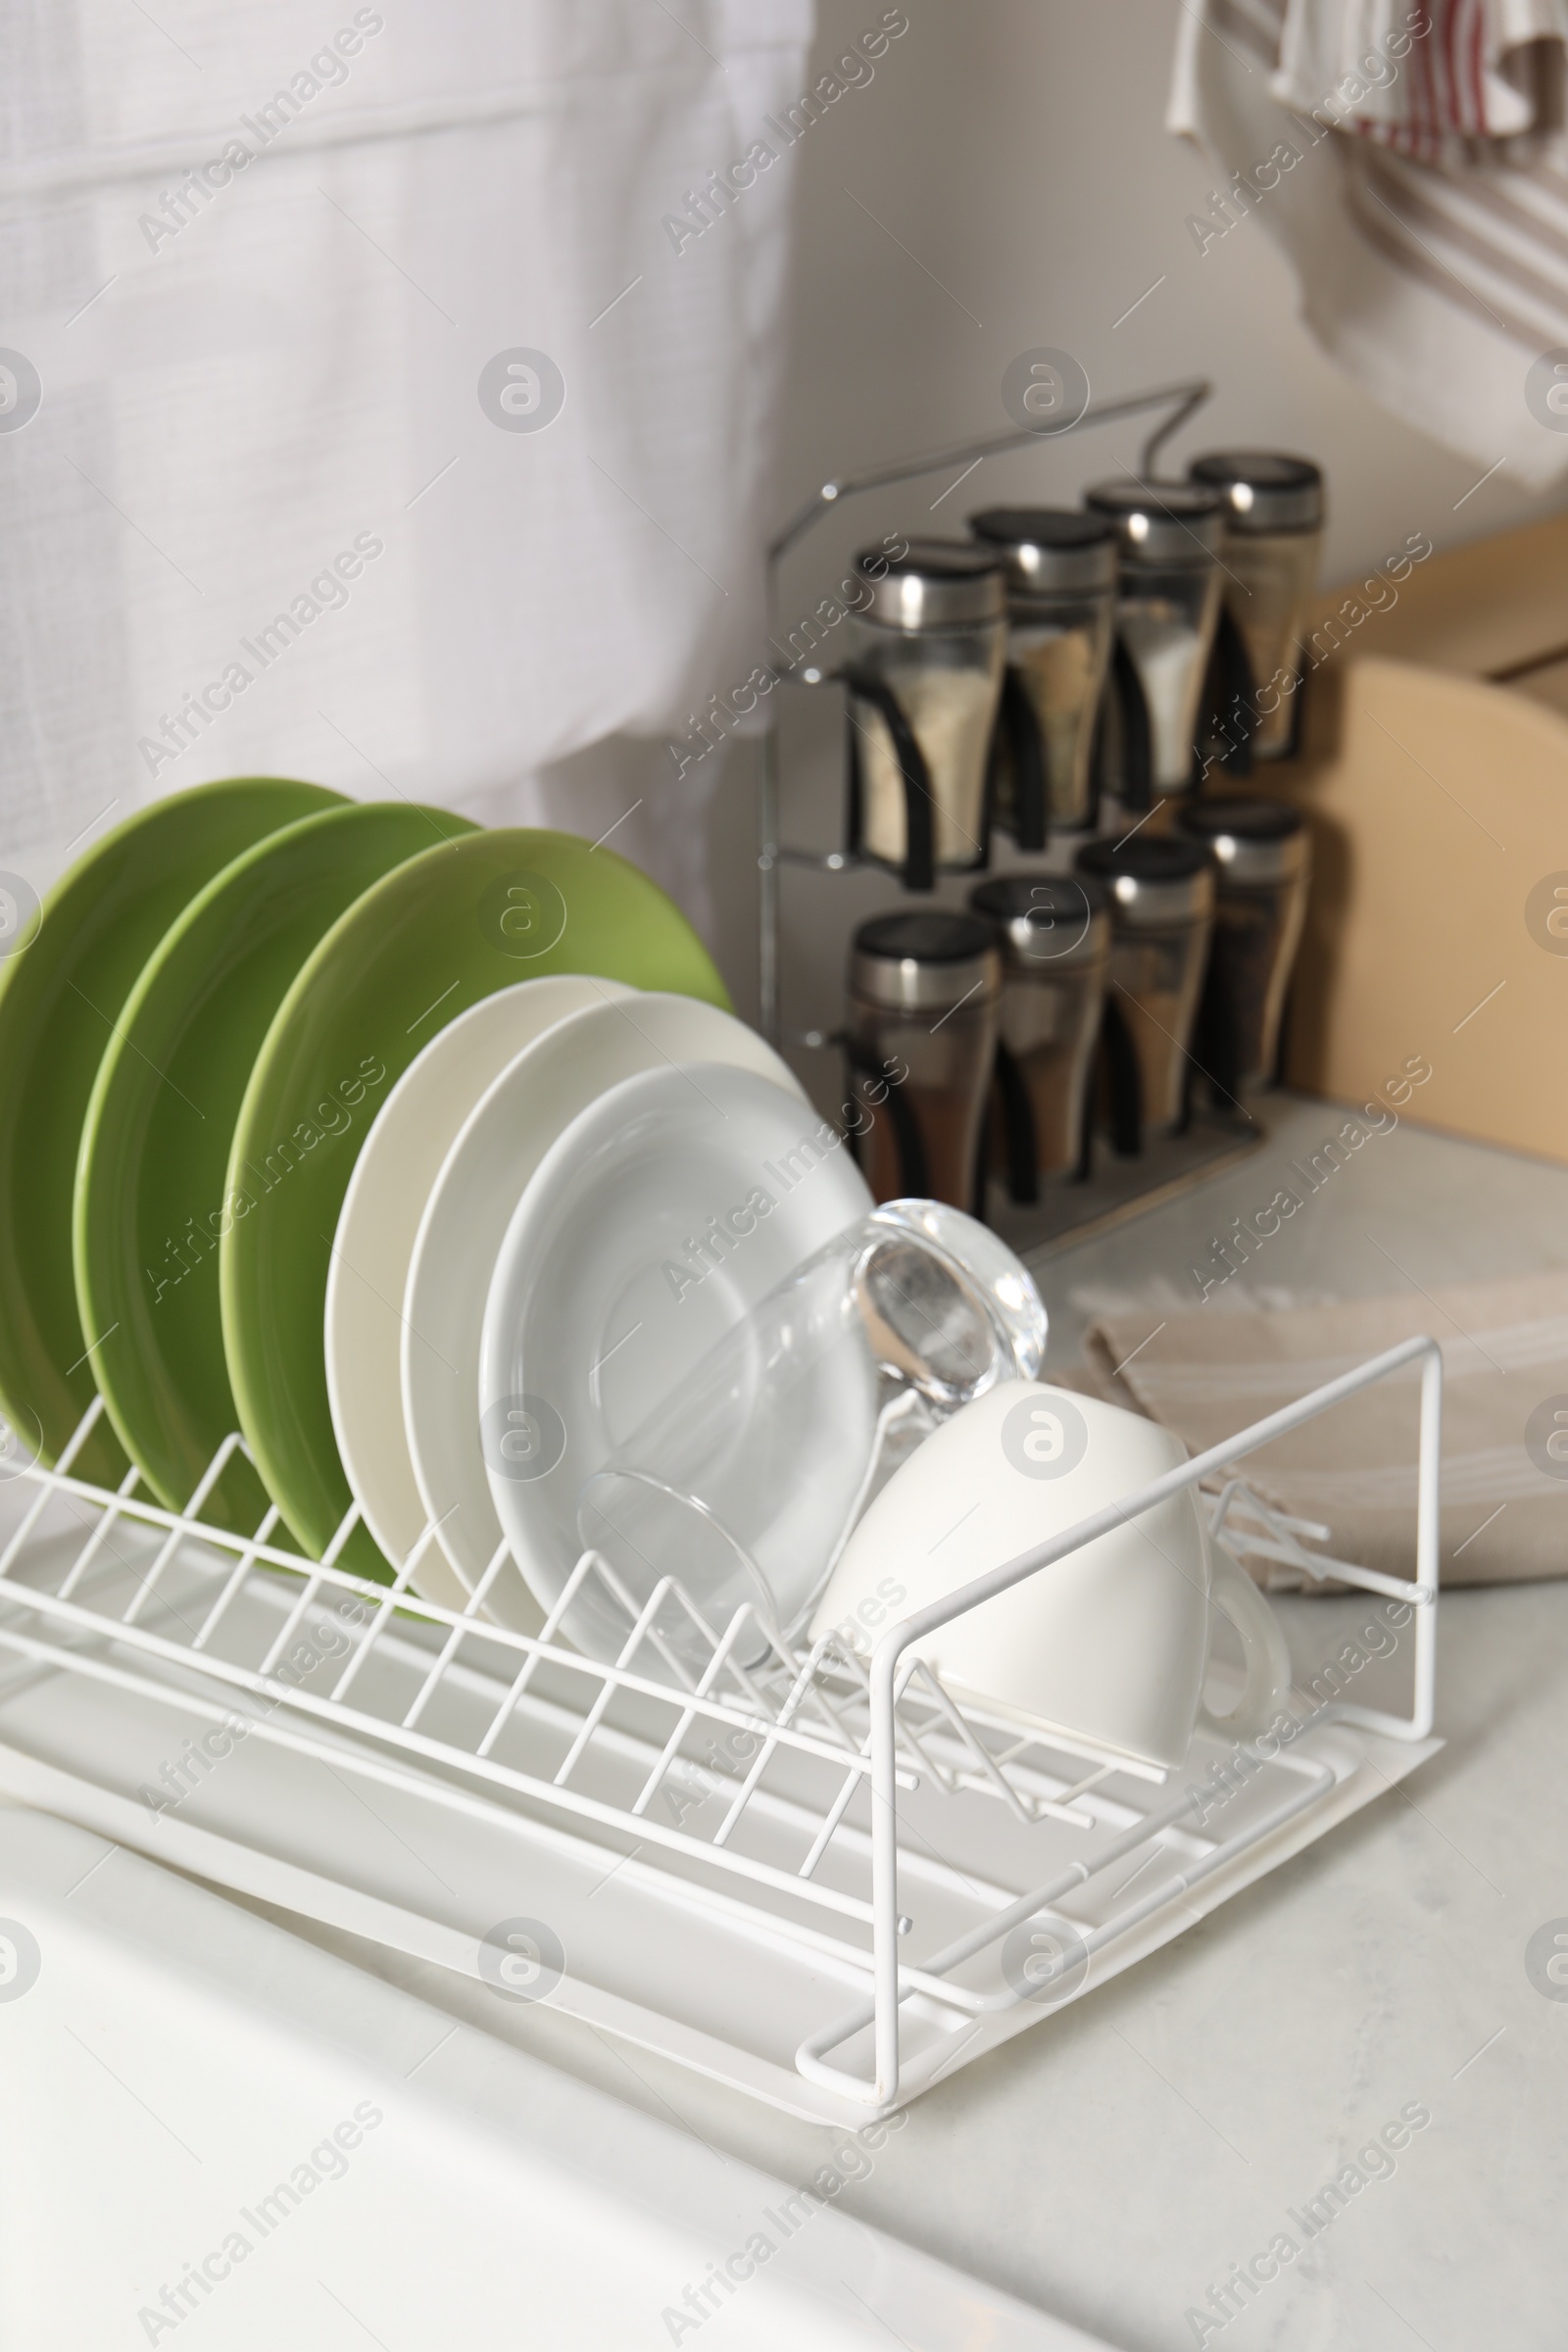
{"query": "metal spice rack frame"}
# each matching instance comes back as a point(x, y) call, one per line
point(816, 1840)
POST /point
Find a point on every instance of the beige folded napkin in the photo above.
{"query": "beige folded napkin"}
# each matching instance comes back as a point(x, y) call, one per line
point(1504, 1492)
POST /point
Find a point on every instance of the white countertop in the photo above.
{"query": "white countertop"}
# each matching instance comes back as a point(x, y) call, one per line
point(1115, 2162)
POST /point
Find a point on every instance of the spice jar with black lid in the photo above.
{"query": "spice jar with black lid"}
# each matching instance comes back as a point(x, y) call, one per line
point(1168, 609)
point(1060, 570)
point(920, 1039)
point(1161, 900)
point(1262, 856)
point(1054, 933)
point(1273, 537)
point(924, 669)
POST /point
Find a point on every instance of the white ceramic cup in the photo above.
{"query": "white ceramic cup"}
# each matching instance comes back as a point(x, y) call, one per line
point(1110, 1644)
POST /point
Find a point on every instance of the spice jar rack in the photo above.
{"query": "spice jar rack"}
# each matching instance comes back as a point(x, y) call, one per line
point(1181, 401)
point(1211, 1140)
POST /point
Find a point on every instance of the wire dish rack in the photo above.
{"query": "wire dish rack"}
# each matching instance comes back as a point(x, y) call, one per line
point(809, 1874)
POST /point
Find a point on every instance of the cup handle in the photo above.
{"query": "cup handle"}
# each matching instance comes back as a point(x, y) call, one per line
point(1268, 1662)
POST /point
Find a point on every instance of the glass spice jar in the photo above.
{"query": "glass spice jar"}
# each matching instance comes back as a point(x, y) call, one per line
point(1061, 621)
point(1273, 538)
point(1054, 933)
point(1262, 856)
point(920, 1039)
point(1167, 609)
point(923, 670)
point(1161, 898)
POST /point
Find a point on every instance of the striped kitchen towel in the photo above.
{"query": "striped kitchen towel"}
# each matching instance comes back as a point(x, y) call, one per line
point(1444, 81)
point(1504, 1486)
point(1410, 158)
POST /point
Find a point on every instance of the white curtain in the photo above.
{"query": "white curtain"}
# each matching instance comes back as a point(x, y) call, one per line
point(256, 259)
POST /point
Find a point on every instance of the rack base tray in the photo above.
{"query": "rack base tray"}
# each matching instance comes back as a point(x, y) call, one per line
point(671, 1964)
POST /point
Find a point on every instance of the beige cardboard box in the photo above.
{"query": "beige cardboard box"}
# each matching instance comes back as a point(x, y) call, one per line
point(1434, 770)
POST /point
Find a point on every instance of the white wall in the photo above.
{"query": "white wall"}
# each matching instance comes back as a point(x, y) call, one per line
point(1016, 149)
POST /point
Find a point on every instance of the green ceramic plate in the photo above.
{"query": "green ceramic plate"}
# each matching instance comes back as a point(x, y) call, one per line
point(446, 929)
point(149, 1203)
point(59, 998)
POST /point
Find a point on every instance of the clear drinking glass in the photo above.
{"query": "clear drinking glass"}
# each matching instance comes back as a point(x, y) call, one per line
point(746, 1483)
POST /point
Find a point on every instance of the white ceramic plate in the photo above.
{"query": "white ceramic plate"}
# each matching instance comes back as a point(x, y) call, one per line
point(401, 1158)
point(596, 1314)
point(500, 1143)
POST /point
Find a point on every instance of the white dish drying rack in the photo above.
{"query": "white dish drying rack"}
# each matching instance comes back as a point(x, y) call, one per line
point(816, 1878)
